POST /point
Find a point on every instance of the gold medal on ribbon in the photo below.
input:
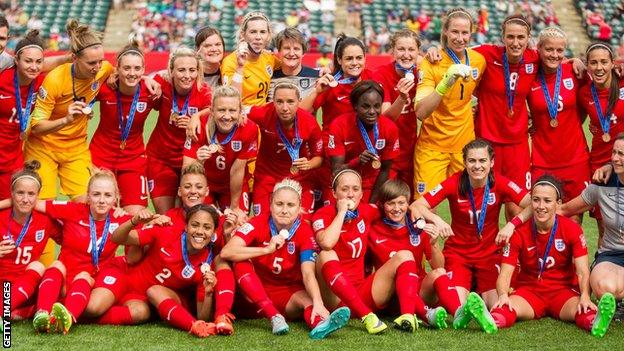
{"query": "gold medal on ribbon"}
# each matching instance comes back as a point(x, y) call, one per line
point(294, 170)
point(554, 123)
point(376, 164)
point(122, 145)
point(606, 137)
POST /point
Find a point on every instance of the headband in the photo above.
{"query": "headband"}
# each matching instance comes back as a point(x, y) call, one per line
point(28, 47)
point(517, 19)
point(253, 14)
point(599, 45)
point(130, 51)
point(546, 182)
point(287, 184)
point(456, 11)
point(88, 46)
point(343, 172)
point(26, 176)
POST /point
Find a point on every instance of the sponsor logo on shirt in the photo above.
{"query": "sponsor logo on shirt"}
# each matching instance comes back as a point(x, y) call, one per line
point(318, 225)
point(340, 98)
point(528, 68)
point(237, 145)
point(559, 245)
point(83, 223)
point(568, 83)
point(39, 235)
point(3, 97)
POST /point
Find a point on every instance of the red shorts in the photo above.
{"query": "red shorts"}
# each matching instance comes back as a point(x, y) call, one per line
point(514, 162)
point(281, 294)
point(546, 300)
point(162, 179)
point(131, 179)
point(574, 178)
point(480, 274)
point(220, 196)
point(263, 187)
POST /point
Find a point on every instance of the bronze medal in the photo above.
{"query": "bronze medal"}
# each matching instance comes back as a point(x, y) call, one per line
point(294, 170)
point(376, 164)
point(174, 117)
point(510, 113)
point(205, 268)
point(122, 145)
point(554, 123)
point(606, 137)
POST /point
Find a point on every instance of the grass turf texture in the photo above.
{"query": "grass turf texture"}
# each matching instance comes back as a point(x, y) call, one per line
point(545, 334)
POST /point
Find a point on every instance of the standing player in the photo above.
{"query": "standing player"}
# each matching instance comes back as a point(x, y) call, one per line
point(397, 80)
point(183, 97)
point(291, 46)
point(364, 140)
point(250, 67)
point(274, 256)
point(552, 256)
point(225, 145)
point(443, 103)
point(209, 44)
point(475, 196)
point(24, 236)
point(291, 147)
point(558, 143)
point(18, 86)
point(332, 91)
point(118, 141)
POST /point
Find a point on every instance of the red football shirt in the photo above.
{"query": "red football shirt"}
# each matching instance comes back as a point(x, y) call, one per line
point(273, 159)
point(166, 142)
point(492, 122)
point(41, 227)
point(105, 145)
point(353, 241)
point(242, 146)
point(565, 144)
point(75, 239)
point(528, 249)
point(466, 243)
point(11, 156)
point(600, 150)
point(343, 138)
point(335, 101)
point(282, 267)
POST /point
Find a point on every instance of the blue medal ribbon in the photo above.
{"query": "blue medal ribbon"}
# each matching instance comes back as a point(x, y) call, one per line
point(125, 129)
point(605, 123)
point(511, 96)
point(22, 232)
point(404, 70)
point(188, 268)
point(351, 215)
point(551, 103)
point(292, 149)
point(551, 238)
point(364, 133)
point(291, 231)
point(454, 57)
point(393, 224)
point(174, 103)
point(96, 251)
point(480, 216)
point(411, 227)
point(228, 138)
point(23, 113)
point(339, 77)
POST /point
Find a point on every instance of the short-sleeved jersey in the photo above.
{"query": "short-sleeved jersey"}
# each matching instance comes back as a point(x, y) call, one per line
point(335, 101)
point(352, 244)
point(388, 78)
point(608, 197)
point(54, 97)
point(256, 76)
point(10, 142)
point(384, 241)
point(343, 138)
point(565, 144)
point(305, 80)
point(164, 263)
point(273, 159)
point(41, 227)
point(166, 142)
point(600, 150)
point(106, 143)
point(450, 126)
point(75, 239)
point(466, 242)
point(493, 122)
point(282, 267)
point(242, 146)
point(527, 248)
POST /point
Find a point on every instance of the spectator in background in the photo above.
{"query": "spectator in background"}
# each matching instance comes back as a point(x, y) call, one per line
point(412, 24)
point(35, 23)
point(214, 15)
point(604, 32)
point(435, 28)
point(504, 7)
point(324, 61)
point(292, 20)
point(483, 25)
point(369, 35)
point(354, 11)
point(423, 21)
point(383, 39)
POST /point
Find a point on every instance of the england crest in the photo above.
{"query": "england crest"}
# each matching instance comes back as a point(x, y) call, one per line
point(39, 235)
point(269, 70)
point(188, 272)
point(112, 227)
point(291, 247)
point(420, 187)
point(491, 199)
point(304, 83)
point(568, 83)
point(109, 280)
point(42, 93)
point(95, 85)
point(141, 106)
point(192, 110)
point(528, 68)
point(559, 245)
point(621, 93)
point(475, 73)
point(237, 145)
point(361, 226)
point(380, 144)
point(414, 240)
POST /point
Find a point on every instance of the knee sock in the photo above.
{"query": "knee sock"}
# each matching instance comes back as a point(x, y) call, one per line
point(176, 315)
point(224, 292)
point(342, 287)
point(23, 288)
point(307, 316)
point(116, 315)
point(446, 294)
point(49, 289)
point(252, 287)
point(504, 317)
point(78, 297)
point(585, 320)
point(407, 286)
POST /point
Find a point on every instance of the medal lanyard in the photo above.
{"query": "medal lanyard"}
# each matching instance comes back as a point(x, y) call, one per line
point(228, 138)
point(339, 77)
point(551, 103)
point(455, 59)
point(542, 264)
point(604, 118)
point(404, 70)
point(480, 216)
point(76, 98)
point(365, 137)
point(174, 102)
point(511, 95)
point(22, 232)
point(292, 149)
point(125, 129)
point(291, 231)
point(96, 251)
point(185, 255)
point(23, 113)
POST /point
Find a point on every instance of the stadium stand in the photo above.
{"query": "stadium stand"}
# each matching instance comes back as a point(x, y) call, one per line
point(603, 20)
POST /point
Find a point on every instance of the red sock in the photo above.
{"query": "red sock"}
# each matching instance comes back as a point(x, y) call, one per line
point(585, 320)
point(23, 288)
point(116, 315)
point(407, 285)
point(224, 292)
point(176, 315)
point(446, 294)
point(49, 289)
point(77, 297)
point(307, 317)
point(342, 287)
point(504, 316)
point(252, 287)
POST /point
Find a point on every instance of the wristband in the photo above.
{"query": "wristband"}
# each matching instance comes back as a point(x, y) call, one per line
point(516, 221)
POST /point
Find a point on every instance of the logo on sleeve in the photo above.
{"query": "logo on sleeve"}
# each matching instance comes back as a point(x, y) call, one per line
point(506, 250)
point(380, 144)
point(514, 187)
point(237, 145)
point(560, 245)
point(434, 190)
point(331, 143)
point(141, 106)
point(583, 241)
point(291, 247)
point(39, 235)
point(112, 227)
point(568, 83)
point(528, 68)
point(246, 228)
point(361, 226)
point(621, 93)
point(187, 143)
point(318, 225)
point(42, 93)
